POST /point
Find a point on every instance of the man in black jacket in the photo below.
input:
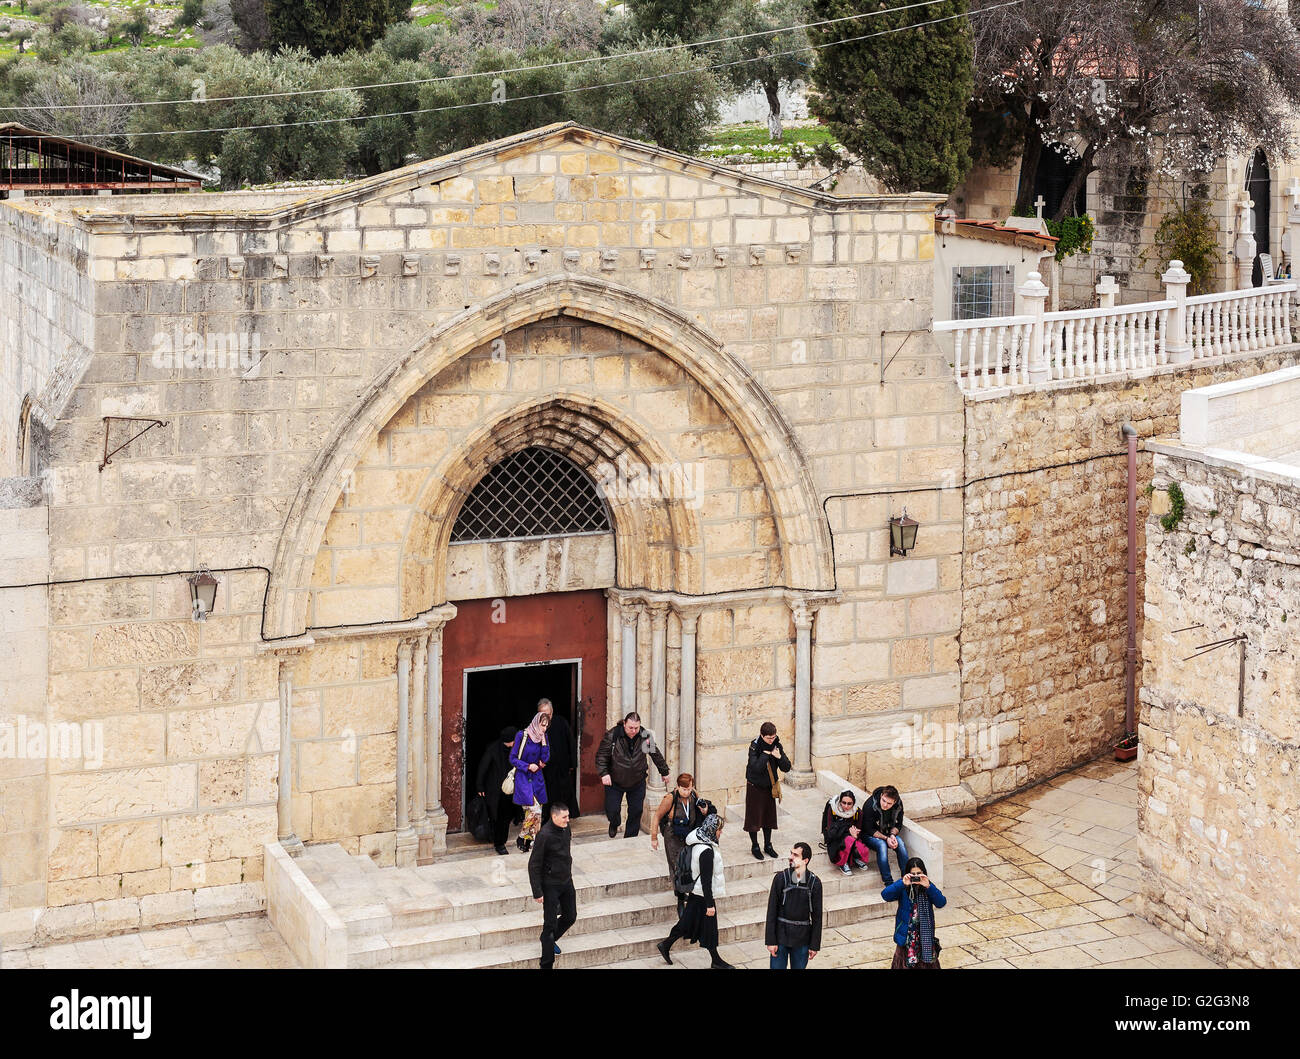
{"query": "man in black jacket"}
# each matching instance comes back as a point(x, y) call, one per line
point(550, 871)
point(621, 762)
point(794, 913)
point(882, 828)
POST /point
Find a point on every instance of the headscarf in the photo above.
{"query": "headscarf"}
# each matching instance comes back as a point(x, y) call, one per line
point(834, 804)
point(535, 730)
point(708, 831)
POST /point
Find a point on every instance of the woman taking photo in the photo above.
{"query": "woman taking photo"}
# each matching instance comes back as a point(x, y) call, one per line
point(763, 787)
point(528, 756)
point(915, 946)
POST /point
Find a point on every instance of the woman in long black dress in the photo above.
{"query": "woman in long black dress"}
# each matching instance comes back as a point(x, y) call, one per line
point(767, 759)
point(699, 919)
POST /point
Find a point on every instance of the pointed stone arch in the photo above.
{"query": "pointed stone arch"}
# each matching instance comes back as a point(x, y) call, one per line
point(658, 541)
point(801, 526)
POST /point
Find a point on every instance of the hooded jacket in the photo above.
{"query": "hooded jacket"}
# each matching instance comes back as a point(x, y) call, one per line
point(883, 820)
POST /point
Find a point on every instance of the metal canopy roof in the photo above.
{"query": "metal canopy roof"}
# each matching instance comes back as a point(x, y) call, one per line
point(35, 161)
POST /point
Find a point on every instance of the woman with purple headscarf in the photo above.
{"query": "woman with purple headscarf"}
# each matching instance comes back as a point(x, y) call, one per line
point(529, 755)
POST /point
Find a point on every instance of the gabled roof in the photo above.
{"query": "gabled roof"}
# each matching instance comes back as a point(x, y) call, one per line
point(32, 160)
point(235, 207)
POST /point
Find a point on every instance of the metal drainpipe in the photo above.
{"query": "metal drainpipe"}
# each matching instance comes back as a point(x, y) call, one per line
point(1129, 435)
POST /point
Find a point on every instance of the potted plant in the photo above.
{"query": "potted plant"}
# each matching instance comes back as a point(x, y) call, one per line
point(1126, 749)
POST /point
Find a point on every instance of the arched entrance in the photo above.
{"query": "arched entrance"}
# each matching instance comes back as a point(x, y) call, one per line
point(1259, 186)
point(502, 655)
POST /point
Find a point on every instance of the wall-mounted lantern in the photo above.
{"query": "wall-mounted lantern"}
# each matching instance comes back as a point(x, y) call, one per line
point(902, 534)
point(203, 593)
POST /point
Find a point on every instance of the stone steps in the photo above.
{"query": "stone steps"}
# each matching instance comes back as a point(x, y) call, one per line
point(394, 939)
point(611, 946)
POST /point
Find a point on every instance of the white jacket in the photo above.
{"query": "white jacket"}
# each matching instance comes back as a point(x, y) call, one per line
point(698, 846)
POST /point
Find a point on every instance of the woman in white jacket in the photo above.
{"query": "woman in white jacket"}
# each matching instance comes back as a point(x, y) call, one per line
point(699, 919)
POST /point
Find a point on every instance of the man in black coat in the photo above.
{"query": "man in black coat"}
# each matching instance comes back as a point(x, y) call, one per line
point(623, 762)
point(794, 913)
point(492, 769)
point(559, 769)
point(550, 871)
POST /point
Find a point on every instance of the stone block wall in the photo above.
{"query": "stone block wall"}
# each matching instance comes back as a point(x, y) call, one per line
point(24, 716)
point(1044, 603)
point(1219, 811)
point(46, 320)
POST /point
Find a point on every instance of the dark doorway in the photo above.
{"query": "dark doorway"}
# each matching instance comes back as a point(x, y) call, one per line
point(1259, 186)
point(506, 696)
point(1055, 171)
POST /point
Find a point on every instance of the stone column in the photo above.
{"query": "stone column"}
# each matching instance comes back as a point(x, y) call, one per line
point(658, 685)
point(420, 735)
point(629, 618)
point(686, 727)
point(436, 814)
point(802, 774)
point(407, 841)
point(284, 805)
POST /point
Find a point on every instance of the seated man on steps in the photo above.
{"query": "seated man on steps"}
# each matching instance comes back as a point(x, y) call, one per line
point(882, 823)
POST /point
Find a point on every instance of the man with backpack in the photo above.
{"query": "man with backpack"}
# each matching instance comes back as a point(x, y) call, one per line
point(623, 762)
point(794, 913)
point(680, 813)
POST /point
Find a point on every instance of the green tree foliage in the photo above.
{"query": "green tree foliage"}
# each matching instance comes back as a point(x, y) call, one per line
point(495, 103)
point(687, 20)
point(1188, 233)
point(315, 144)
point(191, 13)
point(898, 101)
point(667, 98)
point(771, 60)
point(331, 27)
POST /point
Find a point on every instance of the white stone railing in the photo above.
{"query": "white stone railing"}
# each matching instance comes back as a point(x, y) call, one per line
point(1238, 321)
point(1039, 347)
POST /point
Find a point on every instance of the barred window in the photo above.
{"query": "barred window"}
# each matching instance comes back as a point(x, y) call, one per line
point(982, 291)
point(532, 493)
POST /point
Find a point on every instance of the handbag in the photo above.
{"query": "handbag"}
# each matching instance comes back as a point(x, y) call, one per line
point(508, 784)
point(776, 781)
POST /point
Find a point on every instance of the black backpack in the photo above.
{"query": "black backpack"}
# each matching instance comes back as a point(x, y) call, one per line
point(683, 876)
point(788, 884)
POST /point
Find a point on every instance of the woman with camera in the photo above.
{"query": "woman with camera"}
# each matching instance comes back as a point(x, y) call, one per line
point(915, 946)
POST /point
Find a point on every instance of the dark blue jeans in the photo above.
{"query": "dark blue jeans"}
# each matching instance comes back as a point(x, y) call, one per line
point(882, 856)
point(798, 958)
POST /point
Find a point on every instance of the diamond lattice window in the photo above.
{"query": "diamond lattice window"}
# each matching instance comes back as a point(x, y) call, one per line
point(535, 492)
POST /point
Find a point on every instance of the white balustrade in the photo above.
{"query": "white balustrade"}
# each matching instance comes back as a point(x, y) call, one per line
point(1093, 343)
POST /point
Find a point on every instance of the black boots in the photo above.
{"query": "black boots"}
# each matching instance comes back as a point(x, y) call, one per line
point(663, 948)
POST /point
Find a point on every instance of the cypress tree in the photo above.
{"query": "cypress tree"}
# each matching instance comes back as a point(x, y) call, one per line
point(331, 27)
point(898, 102)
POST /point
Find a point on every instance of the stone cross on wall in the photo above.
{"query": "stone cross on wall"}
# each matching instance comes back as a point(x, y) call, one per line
point(1039, 203)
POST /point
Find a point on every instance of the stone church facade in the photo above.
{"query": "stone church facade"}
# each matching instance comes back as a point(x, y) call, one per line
point(305, 392)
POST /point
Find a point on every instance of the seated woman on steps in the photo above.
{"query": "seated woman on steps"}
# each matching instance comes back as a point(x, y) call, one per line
point(842, 832)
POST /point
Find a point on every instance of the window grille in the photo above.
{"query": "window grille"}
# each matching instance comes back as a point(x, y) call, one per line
point(982, 291)
point(532, 493)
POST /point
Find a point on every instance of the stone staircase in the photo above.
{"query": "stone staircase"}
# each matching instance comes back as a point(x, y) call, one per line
point(475, 910)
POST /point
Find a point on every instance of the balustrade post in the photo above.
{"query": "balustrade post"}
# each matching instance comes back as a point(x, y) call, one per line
point(1178, 348)
point(1035, 292)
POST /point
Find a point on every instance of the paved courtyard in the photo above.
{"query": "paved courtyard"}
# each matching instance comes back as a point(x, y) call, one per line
point(1045, 878)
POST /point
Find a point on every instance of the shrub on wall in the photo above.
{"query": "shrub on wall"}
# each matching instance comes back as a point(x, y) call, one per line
point(1189, 234)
